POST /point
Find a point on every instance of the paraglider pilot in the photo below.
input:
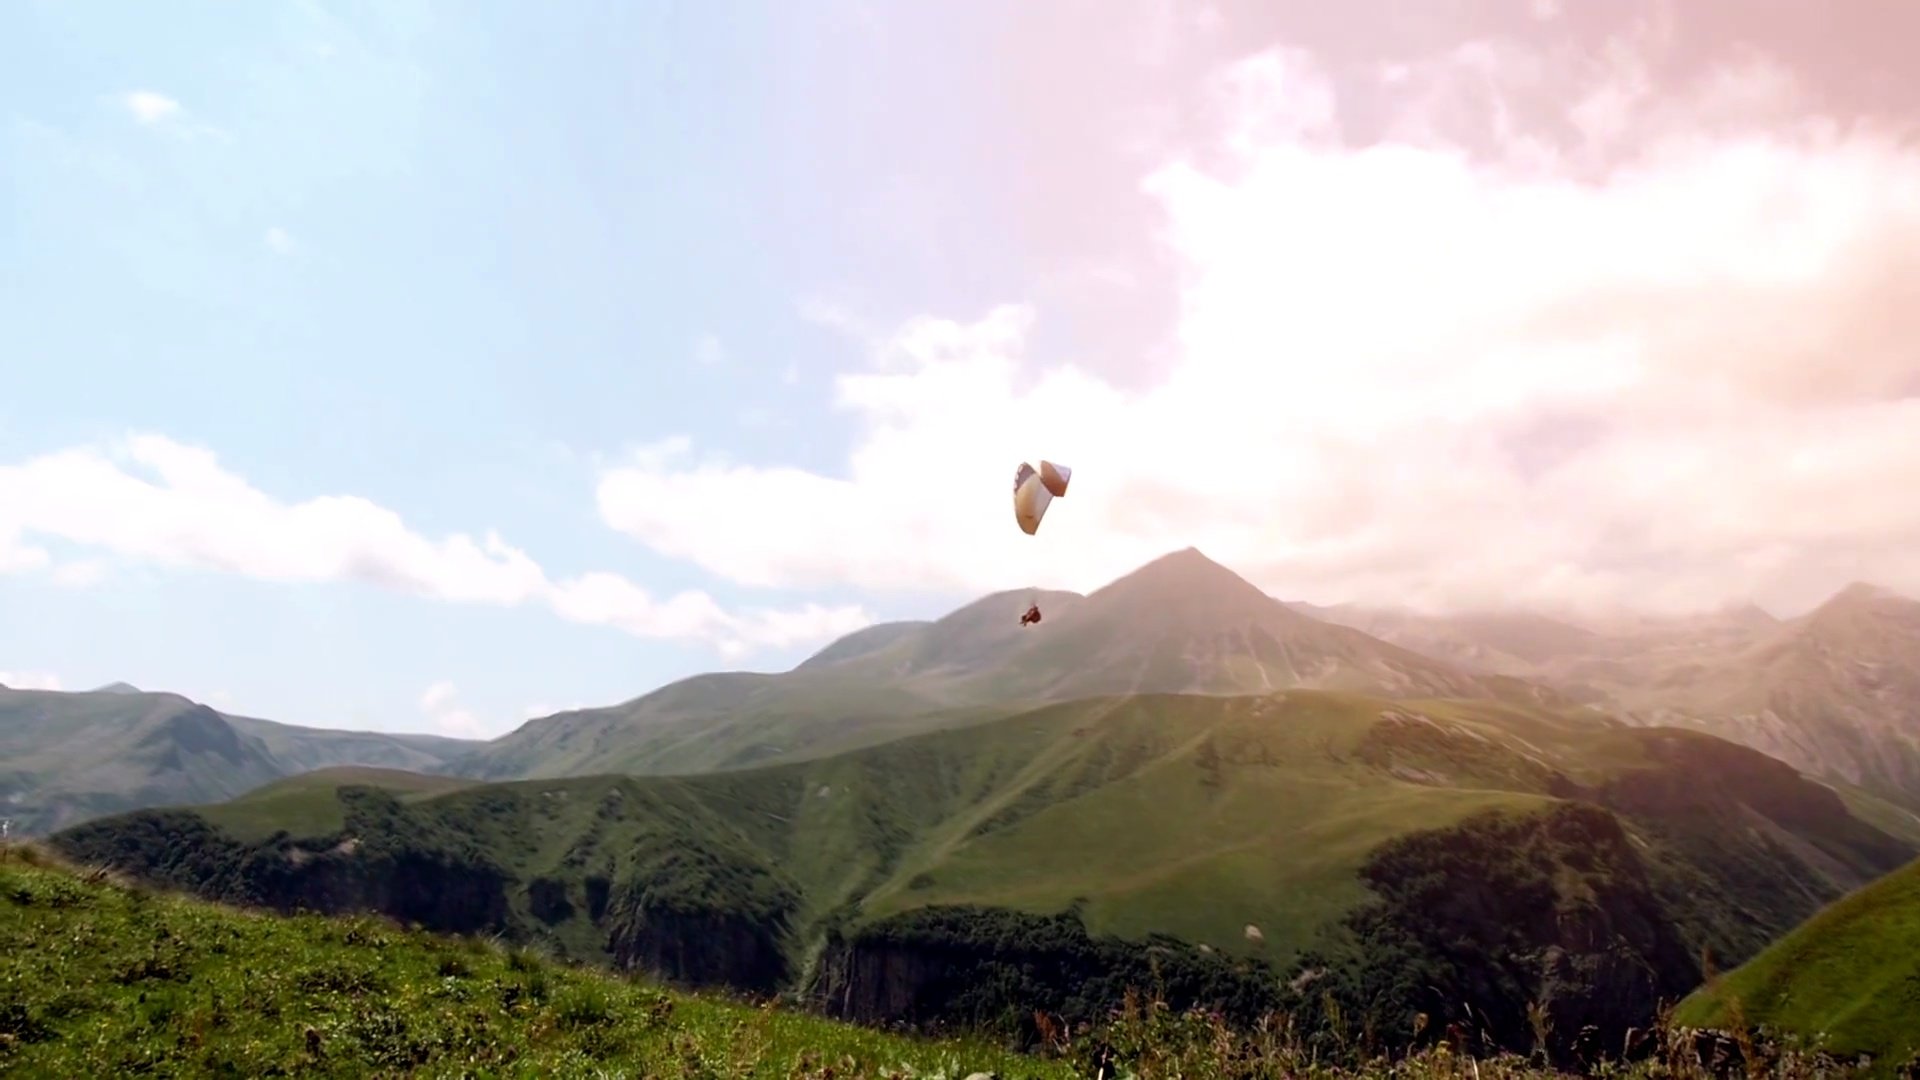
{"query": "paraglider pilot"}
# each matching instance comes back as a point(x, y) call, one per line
point(1032, 615)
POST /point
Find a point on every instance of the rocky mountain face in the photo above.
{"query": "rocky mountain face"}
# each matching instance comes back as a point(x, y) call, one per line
point(1835, 692)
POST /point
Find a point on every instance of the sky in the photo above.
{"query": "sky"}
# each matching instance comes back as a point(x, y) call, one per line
point(420, 366)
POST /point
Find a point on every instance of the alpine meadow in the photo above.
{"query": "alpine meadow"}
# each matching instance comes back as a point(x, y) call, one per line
point(1225, 541)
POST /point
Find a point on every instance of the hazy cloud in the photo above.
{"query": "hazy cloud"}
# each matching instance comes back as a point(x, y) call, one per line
point(150, 107)
point(1554, 336)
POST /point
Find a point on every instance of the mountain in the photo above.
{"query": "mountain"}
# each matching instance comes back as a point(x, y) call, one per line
point(1512, 643)
point(1180, 624)
point(1835, 691)
point(1185, 624)
point(1235, 845)
point(1848, 977)
point(65, 757)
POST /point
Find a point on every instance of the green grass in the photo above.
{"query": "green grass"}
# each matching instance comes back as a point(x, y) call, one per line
point(1232, 811)
point(1849, 976)
point(99, 979)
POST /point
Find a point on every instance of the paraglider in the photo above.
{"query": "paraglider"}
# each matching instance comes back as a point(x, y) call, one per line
point(1033, 490)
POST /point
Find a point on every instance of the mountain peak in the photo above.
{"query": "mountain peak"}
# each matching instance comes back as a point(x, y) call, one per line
point(1186, 580)
point(117, 688)
point(1860, 594)
point(1747, 613)
point(1190, 563)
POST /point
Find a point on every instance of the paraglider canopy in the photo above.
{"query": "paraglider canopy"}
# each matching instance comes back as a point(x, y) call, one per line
point(1034, 489)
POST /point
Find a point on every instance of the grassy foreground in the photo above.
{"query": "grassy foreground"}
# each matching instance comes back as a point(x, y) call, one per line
point(102, 978)
point(1850, 974)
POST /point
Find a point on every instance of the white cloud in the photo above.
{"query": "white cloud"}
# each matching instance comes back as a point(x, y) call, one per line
point(707, 350)
point(448, 718)
point(836, 314)
point(79, 574)
point(150, 107)
point(159, 112)
point(435, 696)
point(29, 680)
point(17, 557)
point(187, 511)
point(1655, 349)
point(540, 709)
point(278, 240)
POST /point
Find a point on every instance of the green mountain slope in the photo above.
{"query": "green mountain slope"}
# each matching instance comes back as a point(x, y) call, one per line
point(1180, 624)
point(1243, 827)
point(66, 757)
point(1849, 976)
point(311, 800)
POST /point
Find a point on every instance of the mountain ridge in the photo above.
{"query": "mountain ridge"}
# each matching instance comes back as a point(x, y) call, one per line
point(1181, 623)
point(1184, 623)
point(69, 755)
point(1834, 690)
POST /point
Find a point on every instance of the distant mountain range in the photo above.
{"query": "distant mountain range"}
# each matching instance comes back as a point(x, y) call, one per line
point(66, 757)
point(1835, 692)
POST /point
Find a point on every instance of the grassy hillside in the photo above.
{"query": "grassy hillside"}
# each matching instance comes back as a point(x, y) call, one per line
point(97, 979)
point(66, 757)
point(1186, 815)
point(311, 800)
point(1238, 827)
point(1849, 977)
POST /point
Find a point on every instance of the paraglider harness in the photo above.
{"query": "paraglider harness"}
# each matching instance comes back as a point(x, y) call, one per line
point(1032, 615)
